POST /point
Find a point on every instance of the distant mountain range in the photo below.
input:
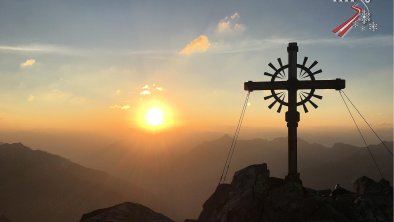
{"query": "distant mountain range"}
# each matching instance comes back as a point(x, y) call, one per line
point(36, 186)
point(184, 180)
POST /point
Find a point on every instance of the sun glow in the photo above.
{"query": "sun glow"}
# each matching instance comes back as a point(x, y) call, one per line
point(154, 116)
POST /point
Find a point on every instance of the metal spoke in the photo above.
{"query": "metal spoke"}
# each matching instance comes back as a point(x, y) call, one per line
point(314, 95)
point(272, 104)
point(317, 96)
point(317, 72)
point(304, 76)
point(281, 104)
point(313, 104)
point(305, 109)
point(313, 64)
point(281, 65)
point(303, 104)
point(273, 67)
point(303, 64)
point(272, 95)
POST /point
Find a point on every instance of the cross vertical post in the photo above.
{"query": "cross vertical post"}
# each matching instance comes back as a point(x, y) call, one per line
point(292, 115)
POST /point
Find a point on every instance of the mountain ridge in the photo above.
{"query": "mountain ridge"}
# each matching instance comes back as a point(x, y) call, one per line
point(196, 171)
point(47, 187)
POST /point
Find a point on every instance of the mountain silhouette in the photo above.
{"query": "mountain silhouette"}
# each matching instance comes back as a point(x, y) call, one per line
point(254, 196)
point(37, 186)
point(184, 180)
point(175, 182)
point(125, 212)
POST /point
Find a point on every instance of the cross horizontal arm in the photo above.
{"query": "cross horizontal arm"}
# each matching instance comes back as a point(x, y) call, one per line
point(337, 84)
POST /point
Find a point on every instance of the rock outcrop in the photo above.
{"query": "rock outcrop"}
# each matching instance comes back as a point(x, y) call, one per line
point(125, 212)
point(254, 196)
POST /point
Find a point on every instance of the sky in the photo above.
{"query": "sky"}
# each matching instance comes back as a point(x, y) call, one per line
point(97, 64)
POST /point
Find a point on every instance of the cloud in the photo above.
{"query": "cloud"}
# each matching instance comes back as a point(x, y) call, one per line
point(42, 49)
point(123, 107)
point(198, 45)
point(145, 92)
point(77, 51)
point(27, 63)
point(230, 25)
point(258, 45)
point(150, 89)
point(146, 86)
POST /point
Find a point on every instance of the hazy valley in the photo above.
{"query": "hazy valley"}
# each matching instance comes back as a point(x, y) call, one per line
point(174, 181)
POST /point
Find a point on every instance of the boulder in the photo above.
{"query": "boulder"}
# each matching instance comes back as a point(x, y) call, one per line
point(375, 200)
point(247, 187)
point(125, 212)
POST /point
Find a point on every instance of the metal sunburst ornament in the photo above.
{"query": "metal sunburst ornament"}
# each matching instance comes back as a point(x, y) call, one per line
point(281, 73)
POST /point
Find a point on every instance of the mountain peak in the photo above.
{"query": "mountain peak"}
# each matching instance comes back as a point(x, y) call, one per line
point(125, 212)
point(13, 146)
point(255, 196)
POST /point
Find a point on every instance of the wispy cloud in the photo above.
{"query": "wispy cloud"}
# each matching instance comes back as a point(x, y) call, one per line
point(121, 107)
point(230, 25)
point(254, 45)
point(27, 63)
point(251, 45)
point(75, 51)
point(198, 45)
point(36, 48)
point(372, 41)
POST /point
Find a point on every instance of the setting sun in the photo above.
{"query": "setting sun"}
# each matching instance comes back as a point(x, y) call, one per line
point(154, 117)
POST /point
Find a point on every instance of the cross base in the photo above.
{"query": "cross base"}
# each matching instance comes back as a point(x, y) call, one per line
point(293, 178)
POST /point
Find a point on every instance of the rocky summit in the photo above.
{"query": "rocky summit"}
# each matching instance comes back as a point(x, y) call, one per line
point(254, 196)
point(125, 212)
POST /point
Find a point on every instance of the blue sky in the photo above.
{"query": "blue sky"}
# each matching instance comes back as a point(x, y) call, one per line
point(88, 56)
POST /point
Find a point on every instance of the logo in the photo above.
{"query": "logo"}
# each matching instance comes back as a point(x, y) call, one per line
point(360, 19)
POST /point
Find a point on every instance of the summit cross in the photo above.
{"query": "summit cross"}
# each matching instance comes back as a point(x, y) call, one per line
point(293, 86)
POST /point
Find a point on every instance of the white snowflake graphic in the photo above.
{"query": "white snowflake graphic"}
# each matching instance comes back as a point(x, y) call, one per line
point(356, 24)
point(363, 28)
point(365, 17)
point(373, 26)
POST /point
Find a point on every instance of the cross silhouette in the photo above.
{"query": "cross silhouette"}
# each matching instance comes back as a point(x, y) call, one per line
point(293, 87)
